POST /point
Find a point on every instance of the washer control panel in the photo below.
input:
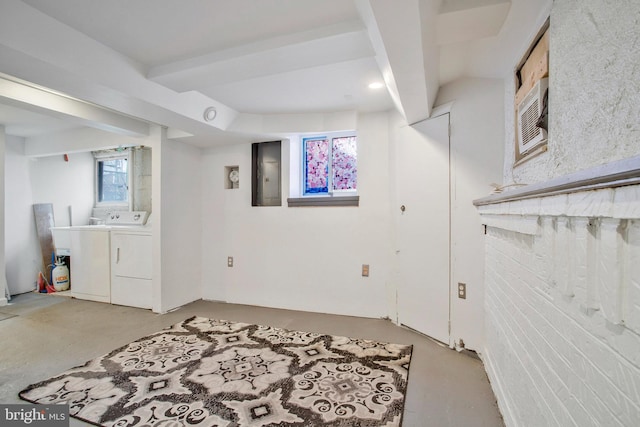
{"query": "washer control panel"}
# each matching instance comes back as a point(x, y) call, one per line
point(127, 218)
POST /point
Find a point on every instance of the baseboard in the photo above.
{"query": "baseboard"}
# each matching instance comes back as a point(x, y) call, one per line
point(498, 390)
point(214, 300)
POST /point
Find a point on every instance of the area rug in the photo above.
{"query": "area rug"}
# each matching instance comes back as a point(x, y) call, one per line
point(205, 373)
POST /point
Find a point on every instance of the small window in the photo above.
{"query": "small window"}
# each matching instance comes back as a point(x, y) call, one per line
point(531, 99)
point(112, 180)
point(330, 165)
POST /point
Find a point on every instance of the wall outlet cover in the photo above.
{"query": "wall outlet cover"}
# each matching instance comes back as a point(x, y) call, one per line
point(462, 290)
point(365, 270)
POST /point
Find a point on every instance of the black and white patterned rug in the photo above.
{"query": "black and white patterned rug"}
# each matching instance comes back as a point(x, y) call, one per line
point(206, 373)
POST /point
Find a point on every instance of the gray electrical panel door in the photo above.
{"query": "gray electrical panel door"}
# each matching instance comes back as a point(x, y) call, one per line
point(266, 185)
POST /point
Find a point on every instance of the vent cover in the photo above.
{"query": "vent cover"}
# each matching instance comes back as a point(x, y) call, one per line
point(529, 110)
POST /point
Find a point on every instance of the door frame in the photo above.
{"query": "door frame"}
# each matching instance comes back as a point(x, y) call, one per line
point(437, 112)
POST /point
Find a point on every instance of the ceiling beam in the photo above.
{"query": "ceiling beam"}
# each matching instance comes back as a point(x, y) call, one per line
point(396, 32)
point(475, 21)
point(76, 140)
point(40, 100)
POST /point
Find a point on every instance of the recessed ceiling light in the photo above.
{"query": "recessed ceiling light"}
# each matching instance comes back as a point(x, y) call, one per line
point(376, 85)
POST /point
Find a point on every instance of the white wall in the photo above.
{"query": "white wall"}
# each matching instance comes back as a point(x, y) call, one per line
point(35, 175)
point(477, 135)
point(3, 277)
point(593, 77)
point(181, 219)
point(310, 258)
point(299, 258)
point(40, 180)
point(72, 183)
point(53, 180)
point(22, 249)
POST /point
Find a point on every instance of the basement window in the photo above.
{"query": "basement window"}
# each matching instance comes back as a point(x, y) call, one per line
point(329, 170)
point(531, 99)
point(112, 178)
point(330, 164)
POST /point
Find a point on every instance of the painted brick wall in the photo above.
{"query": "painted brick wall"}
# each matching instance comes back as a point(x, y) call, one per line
point(563, 308)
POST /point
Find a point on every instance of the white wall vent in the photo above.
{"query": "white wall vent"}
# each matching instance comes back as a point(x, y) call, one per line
point(529, 110)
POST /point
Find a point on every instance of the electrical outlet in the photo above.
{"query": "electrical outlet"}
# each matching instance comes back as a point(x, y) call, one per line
point(462, 290)
point(365, 270)
point(230, 261)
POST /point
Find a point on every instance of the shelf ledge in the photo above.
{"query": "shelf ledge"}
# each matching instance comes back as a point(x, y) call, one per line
point(300, 202)
point(610, 175)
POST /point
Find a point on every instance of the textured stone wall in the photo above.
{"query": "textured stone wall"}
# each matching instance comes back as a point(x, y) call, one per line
point(563, 308)
point(594, 80)
point(141, 179)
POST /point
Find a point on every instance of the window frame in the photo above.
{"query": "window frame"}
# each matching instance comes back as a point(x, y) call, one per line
point(298, 198)
point(101, 157)
point(330, 137)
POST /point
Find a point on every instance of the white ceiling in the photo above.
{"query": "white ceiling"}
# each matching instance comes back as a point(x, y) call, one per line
point(156, 32)
point(164, 60)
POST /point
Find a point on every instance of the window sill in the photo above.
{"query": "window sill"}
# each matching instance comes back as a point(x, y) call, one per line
point(301, 202)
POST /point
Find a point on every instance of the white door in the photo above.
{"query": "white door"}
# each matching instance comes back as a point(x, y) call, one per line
point(423, 227)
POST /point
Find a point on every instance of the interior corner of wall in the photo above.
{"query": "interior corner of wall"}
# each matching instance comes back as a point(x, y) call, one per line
point(441, 109)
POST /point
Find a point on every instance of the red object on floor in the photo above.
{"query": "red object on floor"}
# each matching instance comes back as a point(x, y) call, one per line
point(41, 282)
point(43, 285)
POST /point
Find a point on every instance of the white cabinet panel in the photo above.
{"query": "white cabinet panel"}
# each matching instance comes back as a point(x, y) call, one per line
point(132, 292)
point(90, 265)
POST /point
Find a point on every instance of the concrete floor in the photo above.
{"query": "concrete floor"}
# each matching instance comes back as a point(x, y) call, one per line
point(43, 335)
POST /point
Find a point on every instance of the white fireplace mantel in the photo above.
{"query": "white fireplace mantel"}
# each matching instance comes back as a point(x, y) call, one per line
point(562, 303)
point(621, 173)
